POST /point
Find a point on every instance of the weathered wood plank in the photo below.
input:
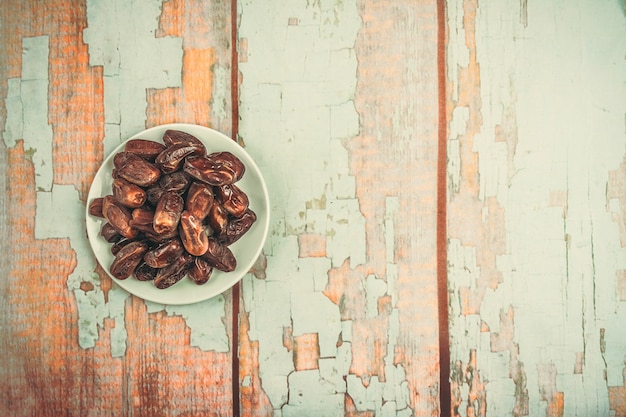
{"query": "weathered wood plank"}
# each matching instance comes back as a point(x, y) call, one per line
point(339, 105)
point(536, 151)
point(74, 83)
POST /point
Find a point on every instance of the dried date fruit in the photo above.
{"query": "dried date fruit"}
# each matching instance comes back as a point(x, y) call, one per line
point(95, 207)
point(174, 272)
point(171, 159)
point(199, 200)
point(109, 233)
point(141, 219)
point(117, 246)
point(167, 213)
point(164, 254)
point(228, 160)
point(192, 234)
point(234, 201)
point(200, 271)
point(237, 227)
point(128, 194)
point(154, 194)
point(119, 217)
point(147, 149)
point(137, 170)
point(160, 238)
point(177, 182)
point(177, 137)
point(173, 210)
point(207, 171)
point(127, 259)
point(220, 256)
point(145, 272)
point(218, 218)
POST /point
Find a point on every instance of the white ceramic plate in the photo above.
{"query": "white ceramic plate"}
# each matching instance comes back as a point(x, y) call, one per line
point(246, 249)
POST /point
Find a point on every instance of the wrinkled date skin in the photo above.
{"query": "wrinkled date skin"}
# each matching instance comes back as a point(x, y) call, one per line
point(109, 233)
point(174, 272)
point(137, 170)
point(141, 219)
point(177, 182)
point(128, 194)
point(237, 227)
point(176, 137)
point(199, 200)
point(192, 234)
point(230, 161)
point(147, 149)
point(127, 259)
point(200, 271)
point(167, 213)
point(95, 207)
point(204, 170)
point(220, 256)
point(118, 217)
point(164, 254)
point(234, 201)
point(172, 158)
point(218, 218)
point(145, 272)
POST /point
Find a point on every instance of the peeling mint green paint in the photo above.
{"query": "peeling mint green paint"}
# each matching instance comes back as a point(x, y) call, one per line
point(206, 321)
point(560, 73)
point(297, 98)
point(133, 59)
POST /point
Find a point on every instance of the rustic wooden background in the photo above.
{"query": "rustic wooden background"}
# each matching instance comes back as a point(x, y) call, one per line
point(448, 195)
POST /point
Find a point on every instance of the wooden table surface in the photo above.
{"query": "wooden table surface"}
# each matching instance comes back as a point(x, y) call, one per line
point(448, 207)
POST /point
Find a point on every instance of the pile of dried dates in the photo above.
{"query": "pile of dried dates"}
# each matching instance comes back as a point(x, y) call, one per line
point(173, 210)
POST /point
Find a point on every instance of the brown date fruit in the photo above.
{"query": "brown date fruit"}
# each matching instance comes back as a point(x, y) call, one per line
point(147, 149)
point(171, 159)
point(220, 256)
point(141, 219)
point(228, 160)
point(200, 271)
point(119, 159)
point(109, 233)
point(218, 218)
point(199, 200)
point(160, 238)
point(164, 254)
point(145, 272)
point(176, 137)
point(174, 272)
point(117, 246)
point(192, 234)
point(233, 199)
point(95, 207)
point(167, 213)
point(154, 194)
point(176, 181)
point(128, 194)
point(237, 227)
point(127, 259)
point(207, 171)
point(137, 170)
point(119, 217)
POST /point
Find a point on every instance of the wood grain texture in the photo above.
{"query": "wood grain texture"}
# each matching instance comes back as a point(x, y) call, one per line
point(345, 316)
point(75, 343)
point(535, 248)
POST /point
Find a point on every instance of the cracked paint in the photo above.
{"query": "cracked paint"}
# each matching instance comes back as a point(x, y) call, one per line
point(304, 331)
point(535, 212)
